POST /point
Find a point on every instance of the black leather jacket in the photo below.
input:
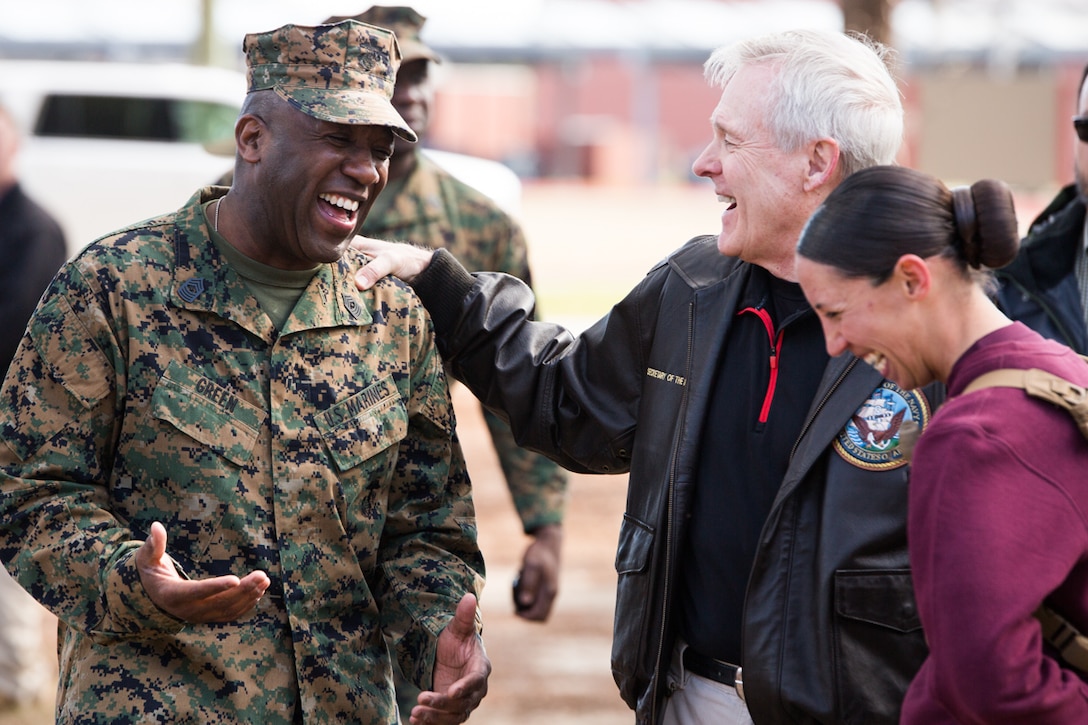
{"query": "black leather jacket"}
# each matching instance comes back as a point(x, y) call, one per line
point(1040, 287)
point(831, 633)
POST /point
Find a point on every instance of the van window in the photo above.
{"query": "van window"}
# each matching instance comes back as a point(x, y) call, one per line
point(139, 119)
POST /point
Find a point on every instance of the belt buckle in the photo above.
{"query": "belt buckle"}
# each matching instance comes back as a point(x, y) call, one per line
point(738, 683)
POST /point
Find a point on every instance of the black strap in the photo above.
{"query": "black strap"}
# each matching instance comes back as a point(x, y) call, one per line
point(1064, 637)
point(710, 668)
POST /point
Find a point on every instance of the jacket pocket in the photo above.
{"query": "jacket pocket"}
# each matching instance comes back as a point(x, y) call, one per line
point(633, 551)
point(632, 665)
point(878, 643)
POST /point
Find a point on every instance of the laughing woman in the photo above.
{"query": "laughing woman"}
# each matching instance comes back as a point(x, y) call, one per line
point(896, 265)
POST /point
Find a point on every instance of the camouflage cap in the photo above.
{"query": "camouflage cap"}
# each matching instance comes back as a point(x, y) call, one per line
point(402, 20)
point(343, 72)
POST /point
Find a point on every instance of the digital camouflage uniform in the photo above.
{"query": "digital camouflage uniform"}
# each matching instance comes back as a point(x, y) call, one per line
point(433, 208)
point(153, 388)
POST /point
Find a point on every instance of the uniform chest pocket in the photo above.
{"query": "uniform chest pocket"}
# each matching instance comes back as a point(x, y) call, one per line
point(182, 468)
point(364, 425)
point(207, 412)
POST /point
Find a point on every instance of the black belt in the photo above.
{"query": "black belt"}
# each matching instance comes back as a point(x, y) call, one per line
point(713, 669)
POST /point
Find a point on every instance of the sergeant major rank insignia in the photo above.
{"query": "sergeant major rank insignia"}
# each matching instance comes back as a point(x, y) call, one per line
point(875, 438)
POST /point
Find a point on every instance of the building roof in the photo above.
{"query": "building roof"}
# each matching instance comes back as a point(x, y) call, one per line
point(925, 31)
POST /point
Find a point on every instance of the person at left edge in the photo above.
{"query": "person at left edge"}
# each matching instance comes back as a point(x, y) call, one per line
point(227, 471)
point(34, 248)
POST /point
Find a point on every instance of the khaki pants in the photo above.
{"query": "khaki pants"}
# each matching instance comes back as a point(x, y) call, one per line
point(696, 700)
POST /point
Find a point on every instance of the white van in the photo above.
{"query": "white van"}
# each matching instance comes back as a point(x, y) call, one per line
point(106, 144)
point(493, 178)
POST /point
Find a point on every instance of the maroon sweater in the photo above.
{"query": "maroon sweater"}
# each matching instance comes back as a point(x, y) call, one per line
point(997, 524)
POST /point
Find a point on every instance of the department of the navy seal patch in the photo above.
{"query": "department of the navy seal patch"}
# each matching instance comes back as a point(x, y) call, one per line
point(871, 439)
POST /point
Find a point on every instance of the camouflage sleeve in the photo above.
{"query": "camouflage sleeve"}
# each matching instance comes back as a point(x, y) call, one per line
point(538, 486)
point(429, 549)
point(59, 420)
point(513, 252)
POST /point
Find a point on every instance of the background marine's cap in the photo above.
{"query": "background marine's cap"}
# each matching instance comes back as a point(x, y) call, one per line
point(405, 22)
point(342, 73)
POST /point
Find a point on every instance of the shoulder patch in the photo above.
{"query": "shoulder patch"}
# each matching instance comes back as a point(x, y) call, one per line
point(871, 438)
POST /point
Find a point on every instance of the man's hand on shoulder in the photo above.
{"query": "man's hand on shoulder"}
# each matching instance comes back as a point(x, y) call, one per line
point(389, 258)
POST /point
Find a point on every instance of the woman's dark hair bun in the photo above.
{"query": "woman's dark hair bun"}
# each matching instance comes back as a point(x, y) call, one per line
point(992, 216)
point(963, 213)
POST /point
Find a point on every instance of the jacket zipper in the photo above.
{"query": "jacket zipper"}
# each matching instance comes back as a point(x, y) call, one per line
point(669, 506)
point(776, 351)
point(804, 430)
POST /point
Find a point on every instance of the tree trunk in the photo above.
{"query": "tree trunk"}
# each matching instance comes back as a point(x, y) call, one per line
point(871, 17)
